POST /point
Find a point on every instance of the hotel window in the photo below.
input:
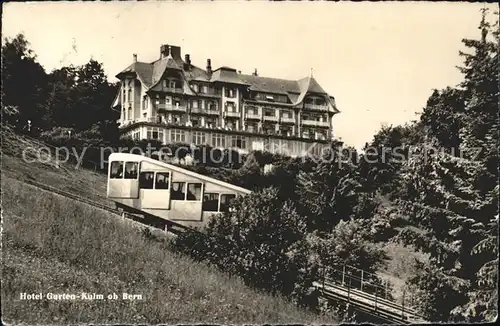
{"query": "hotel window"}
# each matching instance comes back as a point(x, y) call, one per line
point(210, 202)
point(136, 135)
point(129, 95)
point(212, 106)
point(162, 179)
point(165, 84)
point(205, 89)
point(230, 92)
point(195, 87)
point(286, 114)
point(238, 142)
point(194, 104)
point(198, 138)
point(218, 140)
point(154, 133)
point(172, 84)
point(269, 113)
point(178, 136)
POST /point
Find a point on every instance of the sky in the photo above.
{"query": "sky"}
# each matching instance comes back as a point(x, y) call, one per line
point(380, 61)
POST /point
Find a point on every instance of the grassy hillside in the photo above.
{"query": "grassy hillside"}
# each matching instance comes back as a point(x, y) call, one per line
point(27, 159)
point(53, 244)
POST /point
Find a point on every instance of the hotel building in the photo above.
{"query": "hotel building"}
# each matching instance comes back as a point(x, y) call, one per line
point(172, 100)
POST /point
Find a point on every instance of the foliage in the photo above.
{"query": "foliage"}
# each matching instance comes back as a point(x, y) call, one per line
point(328, 194)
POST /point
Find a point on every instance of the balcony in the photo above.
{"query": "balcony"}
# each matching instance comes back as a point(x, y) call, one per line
point(170, 108)
point(173, 90)
point(271, 118)
point(252, 116)
point(316, 107)
point(287, 120)
point(314, 123)
point(230, 114)
point(213, 112)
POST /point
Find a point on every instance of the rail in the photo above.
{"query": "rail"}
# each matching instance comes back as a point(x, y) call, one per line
point(367, 293)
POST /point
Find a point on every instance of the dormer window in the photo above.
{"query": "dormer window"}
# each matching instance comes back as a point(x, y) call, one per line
point(195, 87)
point(165, 84)
point(172, 84)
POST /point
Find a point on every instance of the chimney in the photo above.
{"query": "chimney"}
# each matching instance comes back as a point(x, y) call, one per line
point(187, 62)
point(164, 51)
point(135, 57)
point(209, 66)
point(255, 72)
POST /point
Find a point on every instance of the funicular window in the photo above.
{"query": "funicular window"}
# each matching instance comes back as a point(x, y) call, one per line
point(178, 191)
point(226, 201)
point(194, 191)
point(116, 170)
point(146, 180)
point(162, 179)
point(210, 202)
point(131, 169)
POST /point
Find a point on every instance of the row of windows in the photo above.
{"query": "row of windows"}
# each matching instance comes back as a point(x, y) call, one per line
point(212, 202)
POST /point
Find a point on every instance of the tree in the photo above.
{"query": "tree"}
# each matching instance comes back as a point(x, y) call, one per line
point(24, 82)
point(328, 194)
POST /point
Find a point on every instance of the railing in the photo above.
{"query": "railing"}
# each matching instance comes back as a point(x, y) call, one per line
point(317, 107)
point(232, 114)
point(173, 90)
point(353, 284)
point(252, 116)
point(271, 118)
point(205, 111)
point(315, 123)
point(173, 108)
point(287, 120)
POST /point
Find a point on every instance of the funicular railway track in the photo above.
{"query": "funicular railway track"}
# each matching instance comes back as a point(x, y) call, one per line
point(387, 310)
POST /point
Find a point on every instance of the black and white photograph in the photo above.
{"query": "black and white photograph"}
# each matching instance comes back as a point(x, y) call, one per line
point(249, 162)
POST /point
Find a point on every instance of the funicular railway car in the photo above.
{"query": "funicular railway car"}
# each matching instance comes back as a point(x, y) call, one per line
point(178, 197)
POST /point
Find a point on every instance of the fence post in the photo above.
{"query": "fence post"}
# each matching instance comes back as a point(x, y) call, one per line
point(361, 280)
point(324, 276)
point(349, 289)
point(343, 274)
point(403, 305)
point(386, 285)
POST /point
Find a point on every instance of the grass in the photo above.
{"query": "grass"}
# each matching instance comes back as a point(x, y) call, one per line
point(400, 266)
point(42, 168)
point(52, 244)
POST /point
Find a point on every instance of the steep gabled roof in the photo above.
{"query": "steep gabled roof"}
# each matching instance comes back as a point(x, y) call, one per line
point(159, 67)
point(143, 70)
